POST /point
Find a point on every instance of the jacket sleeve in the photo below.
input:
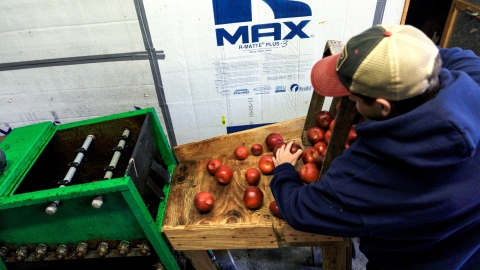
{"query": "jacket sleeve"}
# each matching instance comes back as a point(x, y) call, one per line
point(314, 207)
point(461, 60)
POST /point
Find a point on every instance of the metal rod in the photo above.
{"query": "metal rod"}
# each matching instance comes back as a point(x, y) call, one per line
point(53, 206)
point(130, 56)
point(157, 78)
point(97, 202)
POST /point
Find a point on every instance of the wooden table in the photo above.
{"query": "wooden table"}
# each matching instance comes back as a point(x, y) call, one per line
point(231, 225)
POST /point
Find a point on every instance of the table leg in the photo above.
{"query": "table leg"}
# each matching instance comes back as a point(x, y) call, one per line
point(337, 257)
point(200, 259)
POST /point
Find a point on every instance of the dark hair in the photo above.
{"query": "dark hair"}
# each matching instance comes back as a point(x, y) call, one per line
point(403, 106)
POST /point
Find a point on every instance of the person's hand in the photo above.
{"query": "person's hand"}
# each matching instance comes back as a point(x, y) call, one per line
point(283, 155)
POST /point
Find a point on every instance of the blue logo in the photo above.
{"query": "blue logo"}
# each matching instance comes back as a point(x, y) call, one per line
point(228, 11)
point(280, 88)
point(295, 87)
point(240, 91)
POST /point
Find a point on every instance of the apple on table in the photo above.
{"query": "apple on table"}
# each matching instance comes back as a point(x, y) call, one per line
point(266, 164)
point(273, 139)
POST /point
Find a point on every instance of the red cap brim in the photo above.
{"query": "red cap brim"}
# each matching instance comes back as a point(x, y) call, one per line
point(325, 80)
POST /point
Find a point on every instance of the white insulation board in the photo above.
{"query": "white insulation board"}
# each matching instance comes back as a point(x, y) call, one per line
point(226, 68)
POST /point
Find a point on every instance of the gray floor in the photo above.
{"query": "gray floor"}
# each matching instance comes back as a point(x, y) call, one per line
point(285, 258)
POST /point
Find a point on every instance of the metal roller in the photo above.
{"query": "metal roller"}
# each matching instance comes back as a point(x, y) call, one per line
point(53, 206)
point(97, 202)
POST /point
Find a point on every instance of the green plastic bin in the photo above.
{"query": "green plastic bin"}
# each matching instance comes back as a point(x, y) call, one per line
point(128, 223)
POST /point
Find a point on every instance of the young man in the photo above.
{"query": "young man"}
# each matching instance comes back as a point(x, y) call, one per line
point(409, 187)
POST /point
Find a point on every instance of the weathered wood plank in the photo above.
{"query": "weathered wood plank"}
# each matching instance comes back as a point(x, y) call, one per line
point(293, 236)
point(220, 145)
point(252, 243)
point(334, 257)
point(245, 230)
point(200, 259)
point(218, 237)
point(332, 47)
point(343, 122)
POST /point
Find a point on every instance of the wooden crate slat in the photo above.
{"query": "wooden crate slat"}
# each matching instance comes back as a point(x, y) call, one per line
point(216, 237)
point(194, 244)
point(343, 122)
point(244, 230)
point(216, 146)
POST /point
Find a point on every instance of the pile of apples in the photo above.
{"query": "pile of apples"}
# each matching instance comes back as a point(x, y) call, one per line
point(253, 196)
point(319, 135)
point(312, 157)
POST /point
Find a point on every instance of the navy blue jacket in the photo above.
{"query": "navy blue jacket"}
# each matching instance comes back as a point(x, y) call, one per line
point(409, 187)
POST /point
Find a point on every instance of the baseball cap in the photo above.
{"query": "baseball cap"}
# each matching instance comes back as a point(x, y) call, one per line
point(386, 61)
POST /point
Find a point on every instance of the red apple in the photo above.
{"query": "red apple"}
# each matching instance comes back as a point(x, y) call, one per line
point(253, 197)
point(266, 165)
point(315, 134)
point(224, 174)
point(252, 176)
point(213, 165)
point(240, 153)
point(203, 201)
point(309, 155)
point(273, 139)
point(309, 173)
point(321, 147)
point(293, 150)
point(331, 124)
point(256, 149)
point(323, 119)
point(327, 136)
point(273, 207)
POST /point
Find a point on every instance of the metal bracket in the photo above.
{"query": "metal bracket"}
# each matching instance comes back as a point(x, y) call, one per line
point(157, 172)
point(158, 190)
point(160, 171)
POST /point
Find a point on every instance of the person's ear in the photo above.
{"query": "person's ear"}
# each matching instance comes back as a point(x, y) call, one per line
point(386, 108)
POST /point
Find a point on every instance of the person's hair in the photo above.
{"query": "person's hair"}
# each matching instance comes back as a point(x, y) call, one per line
point(403, 106)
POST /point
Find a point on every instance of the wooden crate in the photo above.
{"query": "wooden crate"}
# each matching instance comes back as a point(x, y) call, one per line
point(345, 116)
point(230, 225)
